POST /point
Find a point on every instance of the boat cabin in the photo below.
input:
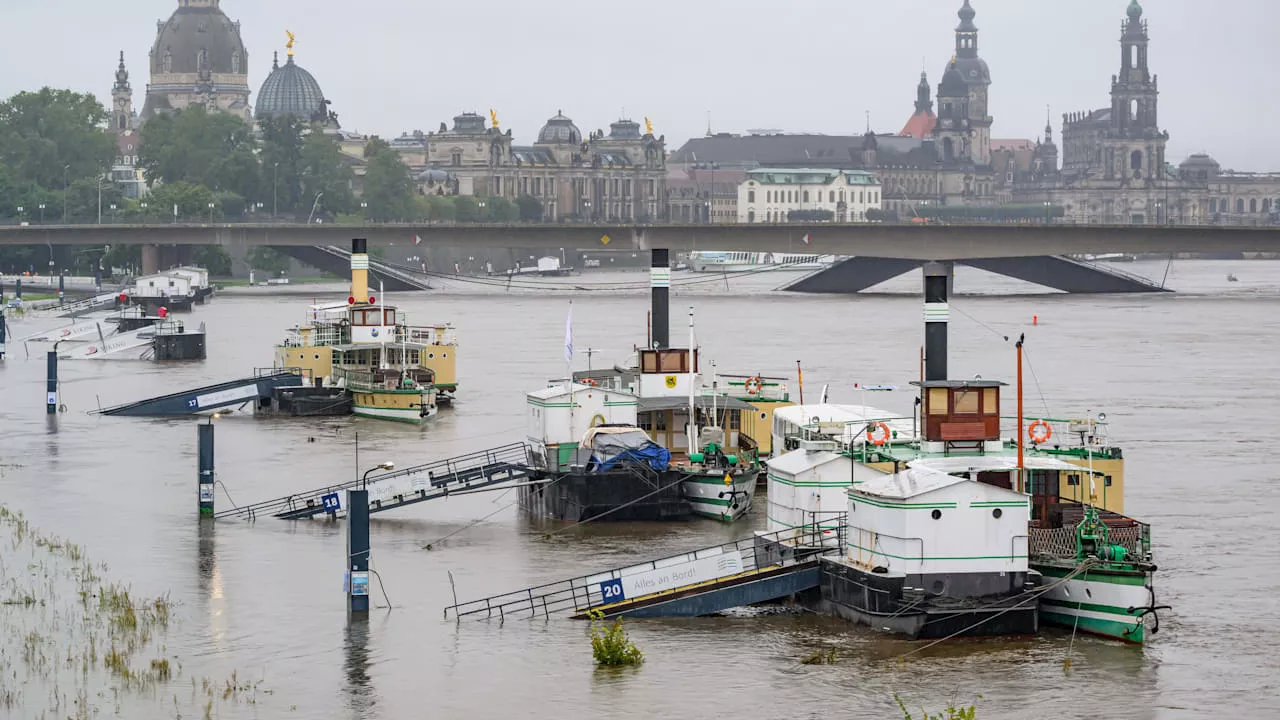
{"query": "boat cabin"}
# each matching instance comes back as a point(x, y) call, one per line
point(960, 415)
point(666, 419)
point(667, 372)
point(559, 416)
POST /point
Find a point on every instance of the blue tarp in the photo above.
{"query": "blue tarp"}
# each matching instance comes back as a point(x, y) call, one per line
point(657, 457)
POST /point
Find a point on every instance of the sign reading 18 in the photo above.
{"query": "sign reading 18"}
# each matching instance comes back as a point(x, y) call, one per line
point(611, 590)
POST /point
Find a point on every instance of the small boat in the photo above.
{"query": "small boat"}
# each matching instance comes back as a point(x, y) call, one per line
point(708, 261)
point(1232, 278)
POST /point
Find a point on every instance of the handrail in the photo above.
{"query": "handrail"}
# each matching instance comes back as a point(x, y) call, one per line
point(583, 593)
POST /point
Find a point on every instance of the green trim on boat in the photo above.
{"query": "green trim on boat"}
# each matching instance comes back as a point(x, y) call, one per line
point(995, 504)
point(793, 483)
point(1099, 575)
point(903, 506)
point(1107, 628)
point(1092, 607)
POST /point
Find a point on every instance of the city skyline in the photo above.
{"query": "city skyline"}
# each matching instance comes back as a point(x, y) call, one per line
point(423, 76)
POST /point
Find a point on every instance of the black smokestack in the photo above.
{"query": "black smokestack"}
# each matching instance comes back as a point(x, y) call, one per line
point(660, 283)
point(936, 278)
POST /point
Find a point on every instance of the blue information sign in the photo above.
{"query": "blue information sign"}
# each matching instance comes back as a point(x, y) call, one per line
point(611, 590)
point(331, 503)
point(359, 583)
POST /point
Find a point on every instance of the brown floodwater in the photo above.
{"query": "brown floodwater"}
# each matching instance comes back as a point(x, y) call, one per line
point(1184, 379)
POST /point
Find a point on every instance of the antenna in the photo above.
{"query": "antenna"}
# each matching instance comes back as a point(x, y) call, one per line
point(709, 133)
point(868, 122)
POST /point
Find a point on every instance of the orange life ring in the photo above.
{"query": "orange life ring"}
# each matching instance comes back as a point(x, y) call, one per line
point(1039, 432)
point(753, 385)
point(881, 439)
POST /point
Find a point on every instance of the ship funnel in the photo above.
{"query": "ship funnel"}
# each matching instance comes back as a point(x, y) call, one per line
point(937, 281)
point(660, 285)
point(359, 271)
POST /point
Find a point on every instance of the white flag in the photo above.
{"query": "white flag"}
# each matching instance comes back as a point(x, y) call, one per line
point(568, 337)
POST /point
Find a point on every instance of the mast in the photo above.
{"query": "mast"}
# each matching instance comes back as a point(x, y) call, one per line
point(693, 416)
point(1021, 464)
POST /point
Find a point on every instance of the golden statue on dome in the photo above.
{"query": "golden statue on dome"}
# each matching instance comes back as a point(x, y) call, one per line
point(493, 118)
point(648, 127)
point(289, 45)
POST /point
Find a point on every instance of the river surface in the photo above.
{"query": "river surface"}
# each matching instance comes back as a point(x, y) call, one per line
point(1184, 378)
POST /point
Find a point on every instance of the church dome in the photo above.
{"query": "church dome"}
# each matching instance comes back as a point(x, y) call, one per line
point(953, 83)
point(289, 90)
point(625, 130)
point(972, 70)
point(1135, 10)
point(199, 38)
point(560, 130)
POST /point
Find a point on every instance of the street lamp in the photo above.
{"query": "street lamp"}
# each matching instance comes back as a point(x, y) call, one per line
point(66, 170)
point(364, 480)
point(1047, 205)
point(210, 213)
point(275, 195)
point(41, 213)
point(113, 212)
point(20, 211)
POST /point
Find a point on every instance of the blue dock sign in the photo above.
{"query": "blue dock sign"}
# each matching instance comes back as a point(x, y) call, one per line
point(331, 503)
point(611, 591)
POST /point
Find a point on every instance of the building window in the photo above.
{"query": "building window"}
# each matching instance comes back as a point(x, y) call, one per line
point(235, 62)
point(751, 216)
point(1253, 205)
point(831, 196)
point(1266, 204)
point(751, 196)
point(456, 158)
point(806, 196)
point(537, 187)
point(1239, 205)
point(1222, 205)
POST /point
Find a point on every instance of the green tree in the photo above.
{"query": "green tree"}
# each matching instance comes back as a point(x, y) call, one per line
point(441, 209)
point(324, 171)
point(192, 202)
point(501, 210)
point(282, 163)
point(530, 208)
point(87, 195)
point(269, 260)
point(213, 258)
point(52, 136)
point(388, 187)
point(216, 150)
point(468, 209)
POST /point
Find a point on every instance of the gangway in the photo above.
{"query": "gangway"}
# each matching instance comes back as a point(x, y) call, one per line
point(210, 397)
point(389, 491)
point(757, 569)
point(337, 260)
point(106, 344)
point(88, 305)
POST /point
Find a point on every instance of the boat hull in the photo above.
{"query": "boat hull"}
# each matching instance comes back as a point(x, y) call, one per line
point(396, 405)
point(617, 495)
point(708, 497)
point(1108, 603)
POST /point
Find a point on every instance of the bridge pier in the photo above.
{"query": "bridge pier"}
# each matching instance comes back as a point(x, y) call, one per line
point(150, 259)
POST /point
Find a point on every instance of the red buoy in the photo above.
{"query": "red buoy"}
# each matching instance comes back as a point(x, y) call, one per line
point(351, 300)
point(124, 297)
point(164, 312)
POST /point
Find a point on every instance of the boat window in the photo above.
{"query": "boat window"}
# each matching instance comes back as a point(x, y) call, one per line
point(389, 318)
point(649, 361)
point(644, 421)
point(990, 401)
point(660, 420)
point(735, 419)
point(937, 401)
point(966, 402)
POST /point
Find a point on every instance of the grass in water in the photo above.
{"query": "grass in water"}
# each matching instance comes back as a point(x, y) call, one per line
point(610, 644)
point(951, 713)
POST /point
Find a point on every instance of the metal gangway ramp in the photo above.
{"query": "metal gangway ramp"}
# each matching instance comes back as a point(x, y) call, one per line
point(757, 569)
point(452, 476)
point(209, 397)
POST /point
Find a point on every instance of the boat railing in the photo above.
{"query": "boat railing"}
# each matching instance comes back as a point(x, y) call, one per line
point(316, 335)
point(1060, 542)
point(426, 335)
point(370, 380)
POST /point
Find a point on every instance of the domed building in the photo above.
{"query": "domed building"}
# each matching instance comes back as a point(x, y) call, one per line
point(198, 58)
point(291, 90)
point(559, 130)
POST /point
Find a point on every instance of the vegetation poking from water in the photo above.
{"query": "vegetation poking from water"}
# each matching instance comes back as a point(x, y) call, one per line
point(610, 644)
point(83, 639)
point(828, 656)
point(951, 713)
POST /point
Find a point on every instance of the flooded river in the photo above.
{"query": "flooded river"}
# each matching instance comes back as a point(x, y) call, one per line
point(1184, 379)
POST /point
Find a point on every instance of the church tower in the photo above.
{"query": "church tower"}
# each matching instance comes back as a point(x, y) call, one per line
point(122, 100)
point(964, 127)
point(1137, 144)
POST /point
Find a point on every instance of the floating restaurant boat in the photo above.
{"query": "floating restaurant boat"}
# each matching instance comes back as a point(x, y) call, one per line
point(367, 348)
point(960, 523)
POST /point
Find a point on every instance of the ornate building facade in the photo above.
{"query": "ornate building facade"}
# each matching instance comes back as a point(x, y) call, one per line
point(198, 58)
point(1114, 168)
point(618, 176)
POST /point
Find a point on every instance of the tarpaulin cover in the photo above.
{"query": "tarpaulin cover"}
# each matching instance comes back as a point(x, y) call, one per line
point(609, 449)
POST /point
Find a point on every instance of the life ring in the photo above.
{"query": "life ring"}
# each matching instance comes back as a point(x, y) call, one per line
point(597, 420)
point(1039, 432)
point(878, 439)
point(754, 385)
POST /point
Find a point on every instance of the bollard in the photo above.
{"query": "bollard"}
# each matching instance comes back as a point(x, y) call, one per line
point(62, 287)
point(1035, 319)
point(205, 476)
point(358, 551)
point(52, 386)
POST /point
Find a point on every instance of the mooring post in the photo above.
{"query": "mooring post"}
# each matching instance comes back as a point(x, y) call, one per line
point(205, 475)
point(17, 288)
point(2, 328)
point(62, 286)
point(358, 551)
point(52, 387)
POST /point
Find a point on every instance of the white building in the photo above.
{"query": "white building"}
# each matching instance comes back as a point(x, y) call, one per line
point(776, 195)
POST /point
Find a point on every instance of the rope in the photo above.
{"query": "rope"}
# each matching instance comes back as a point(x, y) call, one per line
point(1035, 379)
point(995, 332)
point(381, 587)
point(468, 526)
point(1037, 592)
point(228, 494)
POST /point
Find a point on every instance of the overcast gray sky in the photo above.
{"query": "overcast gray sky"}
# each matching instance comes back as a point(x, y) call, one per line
point(795, 65)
